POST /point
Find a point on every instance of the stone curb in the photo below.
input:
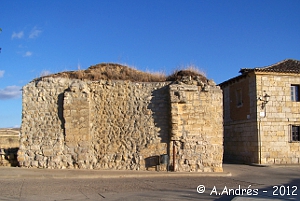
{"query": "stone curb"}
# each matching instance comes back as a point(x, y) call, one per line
point(97, 174)
point(274, 165)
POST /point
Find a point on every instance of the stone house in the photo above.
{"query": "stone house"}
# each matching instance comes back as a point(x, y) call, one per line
point(121, 124)
point(262, 115)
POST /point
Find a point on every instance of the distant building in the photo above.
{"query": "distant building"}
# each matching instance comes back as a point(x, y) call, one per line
point(262, 115)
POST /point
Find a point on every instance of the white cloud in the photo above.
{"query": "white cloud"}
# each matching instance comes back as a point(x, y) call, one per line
point(17, 35)
point(10, 92)
point(35, 32)
point(27, 54)
point(2, 73)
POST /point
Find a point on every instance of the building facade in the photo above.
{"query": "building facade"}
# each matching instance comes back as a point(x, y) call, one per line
point(262, 115)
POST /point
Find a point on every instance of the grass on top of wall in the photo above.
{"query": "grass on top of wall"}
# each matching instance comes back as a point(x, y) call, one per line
point(112, 71)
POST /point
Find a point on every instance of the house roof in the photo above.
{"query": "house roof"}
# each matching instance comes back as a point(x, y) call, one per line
point(285, 66)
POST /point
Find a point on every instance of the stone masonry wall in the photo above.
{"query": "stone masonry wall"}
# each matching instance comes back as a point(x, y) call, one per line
point(130, 123)
point(118, 125)
point(279, 114)
point(76, 113)
point(240, 128)
point(42, 140)
point(197, 127)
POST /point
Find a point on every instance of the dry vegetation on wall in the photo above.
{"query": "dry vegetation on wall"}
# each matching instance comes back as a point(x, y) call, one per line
point(191, 71)
point(112, 71)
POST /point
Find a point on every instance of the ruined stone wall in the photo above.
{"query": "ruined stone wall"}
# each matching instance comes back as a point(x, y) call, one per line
point(276, 119)
point(130, 123)
point(197, 127)
point(118, 125)
point(76, 114)
point(42, 140)
point(106, 124)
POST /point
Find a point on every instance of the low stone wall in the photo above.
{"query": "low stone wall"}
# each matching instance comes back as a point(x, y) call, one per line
point(119, 125)
point(9, 145)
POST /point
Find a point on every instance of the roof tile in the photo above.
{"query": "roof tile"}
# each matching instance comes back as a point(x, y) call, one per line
point(285, 66)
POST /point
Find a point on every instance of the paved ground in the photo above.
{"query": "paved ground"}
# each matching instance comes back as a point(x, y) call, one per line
point(40, 184)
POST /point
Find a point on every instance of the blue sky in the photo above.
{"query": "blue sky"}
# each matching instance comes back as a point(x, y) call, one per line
point(219, 37)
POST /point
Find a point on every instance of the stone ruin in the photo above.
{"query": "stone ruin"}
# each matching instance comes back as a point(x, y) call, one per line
point(87, 121)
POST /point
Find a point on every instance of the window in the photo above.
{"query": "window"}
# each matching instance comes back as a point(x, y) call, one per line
point(294, 92)
point(295, 133)
point(239, 99)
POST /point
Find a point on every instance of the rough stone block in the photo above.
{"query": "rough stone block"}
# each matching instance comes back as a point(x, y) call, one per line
point(47, 152)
